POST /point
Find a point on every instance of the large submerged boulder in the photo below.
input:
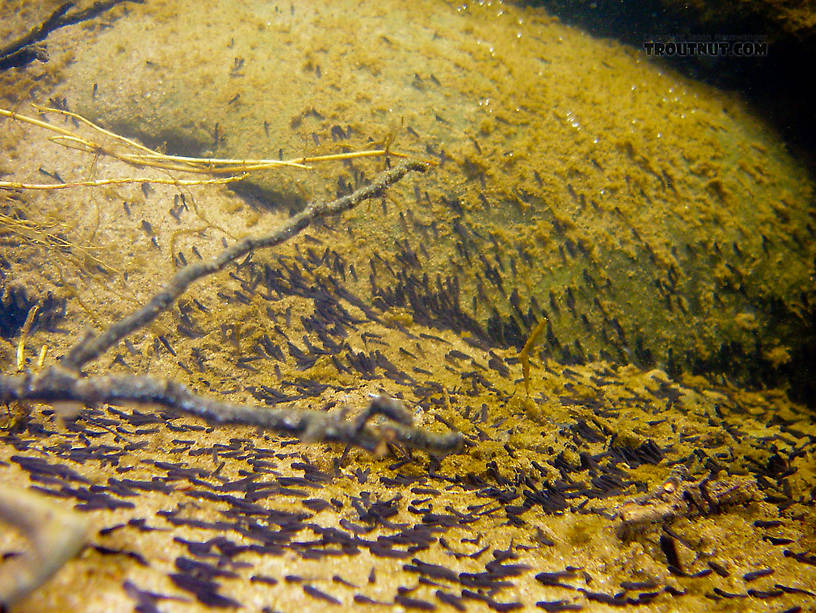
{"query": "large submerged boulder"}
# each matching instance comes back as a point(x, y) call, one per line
point(649, 218)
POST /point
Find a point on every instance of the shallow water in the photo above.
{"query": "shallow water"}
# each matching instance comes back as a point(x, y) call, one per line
point(659, 228)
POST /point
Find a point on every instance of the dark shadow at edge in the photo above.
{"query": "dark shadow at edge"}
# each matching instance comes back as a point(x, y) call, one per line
point(776, 87)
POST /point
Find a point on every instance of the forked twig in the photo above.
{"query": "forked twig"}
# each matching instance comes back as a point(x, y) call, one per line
point(55, 384)
point(65, 383)
point(56, 535)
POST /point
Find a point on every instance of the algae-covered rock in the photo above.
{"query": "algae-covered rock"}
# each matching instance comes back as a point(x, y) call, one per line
point(649, 218)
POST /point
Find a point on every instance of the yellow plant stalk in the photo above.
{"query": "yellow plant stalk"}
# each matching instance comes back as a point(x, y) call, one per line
point(524, 354)
point(136, 154)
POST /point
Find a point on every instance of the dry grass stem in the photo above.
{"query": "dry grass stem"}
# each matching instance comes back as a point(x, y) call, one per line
point(135, 154)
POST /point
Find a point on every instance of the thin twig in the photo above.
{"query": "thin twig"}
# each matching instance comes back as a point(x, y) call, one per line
point(25, 49)
point(90, 347)
point(64, 383)
point(676, 497)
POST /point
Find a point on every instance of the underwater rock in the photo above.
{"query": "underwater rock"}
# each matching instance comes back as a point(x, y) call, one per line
point(649, 218)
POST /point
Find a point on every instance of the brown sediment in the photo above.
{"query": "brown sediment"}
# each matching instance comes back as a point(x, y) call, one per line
point(540, 494)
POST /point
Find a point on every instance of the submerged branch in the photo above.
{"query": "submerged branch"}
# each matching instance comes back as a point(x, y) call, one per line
point(56, 384)
point(65, 383)
point(91, 347)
